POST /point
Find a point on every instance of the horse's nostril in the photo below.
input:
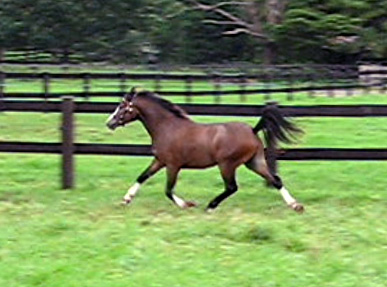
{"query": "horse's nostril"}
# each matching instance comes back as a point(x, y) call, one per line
point(111, 125)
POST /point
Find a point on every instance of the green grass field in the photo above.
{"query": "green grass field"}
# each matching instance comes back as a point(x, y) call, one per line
point(83, 237)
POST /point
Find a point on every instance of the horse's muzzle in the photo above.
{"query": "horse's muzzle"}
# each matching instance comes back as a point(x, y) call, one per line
point(112, 125)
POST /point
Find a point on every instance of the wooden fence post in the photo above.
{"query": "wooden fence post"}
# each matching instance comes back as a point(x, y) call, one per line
point(271, 152)
point(289, 77)
point(67, 143)
point(217, 79)
point(188, 88)
point(123, 86)
point(310, 79)
point(2, 84)
point(2, 88)
point(86, 85)
point(266, 79)
point(242, 86)
point(46, 85)
point(157, 87)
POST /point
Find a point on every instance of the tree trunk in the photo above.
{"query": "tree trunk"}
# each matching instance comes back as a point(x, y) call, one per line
point(65, 59)
point(275, 12)
point(270, 53)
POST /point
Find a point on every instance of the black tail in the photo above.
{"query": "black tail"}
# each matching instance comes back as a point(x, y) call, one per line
point(275, 127)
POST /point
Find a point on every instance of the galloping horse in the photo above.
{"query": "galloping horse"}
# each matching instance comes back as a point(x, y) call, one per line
point(178, 142)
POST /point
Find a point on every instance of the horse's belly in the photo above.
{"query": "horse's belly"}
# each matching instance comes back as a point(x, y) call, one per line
point(195, 163)
point(191, 156)
point(198, 158)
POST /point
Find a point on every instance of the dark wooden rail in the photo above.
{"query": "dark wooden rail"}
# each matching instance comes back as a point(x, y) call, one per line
point(209, 109)
point(145, 150)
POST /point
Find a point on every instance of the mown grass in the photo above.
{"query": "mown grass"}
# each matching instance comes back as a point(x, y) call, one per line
point(83, 237)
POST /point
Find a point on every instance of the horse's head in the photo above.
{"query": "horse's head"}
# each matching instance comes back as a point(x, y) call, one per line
point(125, 113)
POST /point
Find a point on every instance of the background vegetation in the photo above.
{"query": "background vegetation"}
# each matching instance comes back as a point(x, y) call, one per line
point(169, 31)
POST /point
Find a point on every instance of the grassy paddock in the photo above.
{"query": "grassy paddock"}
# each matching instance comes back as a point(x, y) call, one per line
point(67, 238)
point(83, 237)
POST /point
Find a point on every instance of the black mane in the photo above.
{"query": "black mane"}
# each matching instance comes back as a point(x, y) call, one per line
point(167, 105)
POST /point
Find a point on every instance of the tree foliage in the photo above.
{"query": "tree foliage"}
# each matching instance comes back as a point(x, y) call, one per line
point(181, 31)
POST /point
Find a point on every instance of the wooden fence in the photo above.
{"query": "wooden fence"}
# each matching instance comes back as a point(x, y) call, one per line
point(35, 57)
point(68, 148)
point(293, 79)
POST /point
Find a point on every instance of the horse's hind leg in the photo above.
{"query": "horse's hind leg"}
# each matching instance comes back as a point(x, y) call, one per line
point(172, 173)
point(228, 175)
point(154, 167)
point(258, 165)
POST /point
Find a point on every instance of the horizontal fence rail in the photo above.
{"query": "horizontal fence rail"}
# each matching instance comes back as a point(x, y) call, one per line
point(196, 93)
point(262, 74)
point(209, 76)
point(209, 109)
point(145, 150)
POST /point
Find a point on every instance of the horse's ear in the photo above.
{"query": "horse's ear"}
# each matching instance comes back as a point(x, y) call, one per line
point(129, 96)
point(133, 92)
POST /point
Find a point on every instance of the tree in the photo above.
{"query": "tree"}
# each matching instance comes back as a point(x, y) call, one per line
point(56, 26)
point(198, 31)
point(336, 31)
point(14, 30)
point(304, 30)
point(252, 17)
point(115, 29)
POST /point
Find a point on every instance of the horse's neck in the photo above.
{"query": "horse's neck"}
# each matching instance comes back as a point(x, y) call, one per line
point(157, 121)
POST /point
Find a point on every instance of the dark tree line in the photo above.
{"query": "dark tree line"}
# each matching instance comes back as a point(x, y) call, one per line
point(185, 31)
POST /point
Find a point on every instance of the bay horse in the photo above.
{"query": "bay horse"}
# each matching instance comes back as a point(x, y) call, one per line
point(178, 142)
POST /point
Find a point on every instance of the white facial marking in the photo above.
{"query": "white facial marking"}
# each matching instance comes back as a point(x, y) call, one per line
point(179, 202)
point(286, 196)
point(132, 191)
point(113, 114)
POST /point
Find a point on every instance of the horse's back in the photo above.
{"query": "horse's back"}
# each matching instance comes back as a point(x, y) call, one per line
point(235, 132)
point(234, 142)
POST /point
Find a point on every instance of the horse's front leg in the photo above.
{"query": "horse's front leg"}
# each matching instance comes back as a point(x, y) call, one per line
point(172, 173)
point(154, 167)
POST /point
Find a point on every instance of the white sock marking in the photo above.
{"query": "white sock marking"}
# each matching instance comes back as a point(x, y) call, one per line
point(286, 196)
point(132, 191)
point(181, 203)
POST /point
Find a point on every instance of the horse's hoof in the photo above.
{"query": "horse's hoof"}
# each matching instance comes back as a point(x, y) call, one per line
point(189, 204)
point(210, 210)
point(126, 201)
point(298, 207)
